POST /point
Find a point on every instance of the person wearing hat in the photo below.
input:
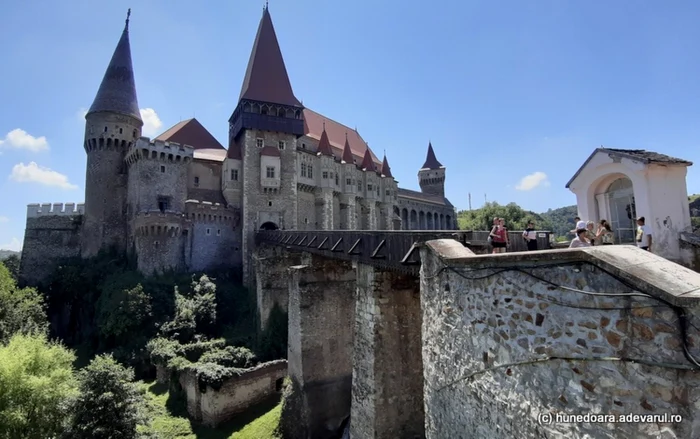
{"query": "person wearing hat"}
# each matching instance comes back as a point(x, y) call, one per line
point(643, 234)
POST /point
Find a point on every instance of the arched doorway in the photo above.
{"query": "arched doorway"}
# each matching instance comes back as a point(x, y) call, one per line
point(269, 226)
point(621, 206)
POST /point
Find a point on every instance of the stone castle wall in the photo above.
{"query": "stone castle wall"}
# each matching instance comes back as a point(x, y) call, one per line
point(504, 352)
point(212, 407)
point(49, 237)
point(214, 236)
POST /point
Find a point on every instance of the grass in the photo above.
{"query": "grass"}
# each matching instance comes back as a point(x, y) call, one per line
point(169, 419)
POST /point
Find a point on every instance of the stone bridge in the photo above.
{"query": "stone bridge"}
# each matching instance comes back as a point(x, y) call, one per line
point(442, 342)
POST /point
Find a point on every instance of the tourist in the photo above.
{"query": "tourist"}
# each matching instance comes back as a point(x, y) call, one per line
point(494, 224)
point(605, 234)
point(577, 221)
point(643, 234)
point(580, 240)
point(499, 237)
point(590, 235)
point(530, 236)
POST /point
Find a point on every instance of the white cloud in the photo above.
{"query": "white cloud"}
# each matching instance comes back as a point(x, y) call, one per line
point(80, 114)
point(20, 139)
point(532, 181)
point(4, 219)
point(151, 122)
point(15, 245)
point(33, 173)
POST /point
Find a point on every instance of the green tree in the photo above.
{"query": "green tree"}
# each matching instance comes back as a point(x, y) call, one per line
point(515, 217)
point(36, 387)
point(195, 312)
point(12, 264)
point(109, 405)
point(21, 310)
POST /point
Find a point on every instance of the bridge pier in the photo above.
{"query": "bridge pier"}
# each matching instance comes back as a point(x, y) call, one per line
point(387, 385)
point(271, 264)
point(321, 313)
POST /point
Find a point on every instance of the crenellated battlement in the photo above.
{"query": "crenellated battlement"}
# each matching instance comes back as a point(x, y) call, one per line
point(159, 223)
point(54, 209)
point(144, 148)
point(206, 211)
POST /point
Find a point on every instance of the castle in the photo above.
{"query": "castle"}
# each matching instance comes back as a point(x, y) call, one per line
point(182, 201)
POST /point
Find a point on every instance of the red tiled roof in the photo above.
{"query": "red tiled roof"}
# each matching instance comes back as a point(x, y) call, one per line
point(270, 151)
point(313, 127)
point(324, 146)
point(431, 162)
point(266, 77)
point(386, 170)
point(190, 132)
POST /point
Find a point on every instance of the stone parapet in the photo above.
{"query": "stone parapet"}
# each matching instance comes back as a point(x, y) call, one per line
point(45, 209)
point(144, 148)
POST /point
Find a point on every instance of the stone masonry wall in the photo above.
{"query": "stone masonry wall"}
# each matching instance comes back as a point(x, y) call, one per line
point(321, 310)
point(239, 393)
point(47, 240)
point(387, 382)
point(272, 278)
point(505, 352)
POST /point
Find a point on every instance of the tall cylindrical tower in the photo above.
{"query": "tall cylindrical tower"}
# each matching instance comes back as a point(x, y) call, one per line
point(113, 124)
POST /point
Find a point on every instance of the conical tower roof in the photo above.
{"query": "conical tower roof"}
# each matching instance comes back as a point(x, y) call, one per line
point(347, 151)
point(324, 145)
point(117, 92)
point(431, 162)
point(266, 78)
point(386, 170)
point(367, 162)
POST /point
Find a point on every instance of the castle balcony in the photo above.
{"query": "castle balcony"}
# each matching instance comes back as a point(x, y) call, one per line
point(144, 148)
point(265, 122)
point(54, 209)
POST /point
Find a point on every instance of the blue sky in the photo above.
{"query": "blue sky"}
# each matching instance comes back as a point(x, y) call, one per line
point(503, 89)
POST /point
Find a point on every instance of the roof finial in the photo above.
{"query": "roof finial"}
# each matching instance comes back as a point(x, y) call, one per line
point(324, 125)
point(266, 5)
point(128, 14)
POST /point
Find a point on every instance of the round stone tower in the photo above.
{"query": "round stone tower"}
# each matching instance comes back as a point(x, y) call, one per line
point(113, 124)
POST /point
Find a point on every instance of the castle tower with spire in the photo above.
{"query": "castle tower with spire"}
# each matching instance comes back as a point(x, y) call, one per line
point(112, 125)
point(432, 174)
point(265, 125)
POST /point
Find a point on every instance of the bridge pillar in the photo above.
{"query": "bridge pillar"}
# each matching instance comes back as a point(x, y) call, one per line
point(271, 264)
point(321, 310)
point(387, 383)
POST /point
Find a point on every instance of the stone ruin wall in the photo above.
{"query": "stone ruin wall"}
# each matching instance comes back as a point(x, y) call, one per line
point(212, 407)
point(503, 350)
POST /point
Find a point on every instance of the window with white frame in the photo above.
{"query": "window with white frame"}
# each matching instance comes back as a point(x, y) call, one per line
point(234, 174)
point(310, 170)
point(281, 144)
point(303, 169)
point(270, 172)
point(259, 142)
point(324, 174)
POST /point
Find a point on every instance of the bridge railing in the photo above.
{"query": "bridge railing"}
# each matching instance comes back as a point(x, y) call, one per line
point(395, 249)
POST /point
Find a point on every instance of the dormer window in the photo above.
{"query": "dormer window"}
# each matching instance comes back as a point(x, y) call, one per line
point(259, 142)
